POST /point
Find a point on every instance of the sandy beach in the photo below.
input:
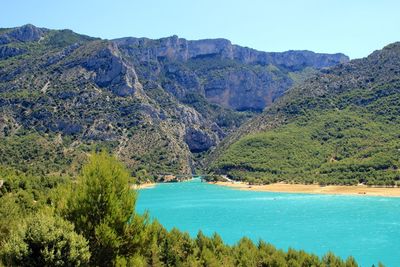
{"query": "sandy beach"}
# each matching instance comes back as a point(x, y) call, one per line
point(143, 186)
point(359, 190)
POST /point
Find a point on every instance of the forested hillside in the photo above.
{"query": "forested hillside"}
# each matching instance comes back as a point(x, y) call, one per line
point(158, 104)
point(340, 127)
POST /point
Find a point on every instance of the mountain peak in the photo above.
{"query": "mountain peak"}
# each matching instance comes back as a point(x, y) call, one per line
point(25, 33)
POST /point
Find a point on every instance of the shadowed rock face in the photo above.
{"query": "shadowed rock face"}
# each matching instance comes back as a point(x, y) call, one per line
point(245, 89)
point(198, 140)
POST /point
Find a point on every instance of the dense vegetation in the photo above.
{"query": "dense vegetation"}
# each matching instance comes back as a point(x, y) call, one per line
point(341, 127)
point(336, 147)
point(91, 222)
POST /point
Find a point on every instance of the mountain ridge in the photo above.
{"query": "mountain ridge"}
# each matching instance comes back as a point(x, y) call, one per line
point(195, 48)
point(135, 96)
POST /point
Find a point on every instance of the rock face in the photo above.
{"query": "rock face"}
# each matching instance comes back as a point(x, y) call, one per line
point(26, 33)
point(152, 102)
point(198, 140)
point(7, 51)
point(232, 76)
point(112, 71)
point(243, 89)
point(179, 49)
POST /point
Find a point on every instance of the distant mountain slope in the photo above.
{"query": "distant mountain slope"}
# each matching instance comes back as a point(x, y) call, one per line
point(342, 126)
point(153, 102)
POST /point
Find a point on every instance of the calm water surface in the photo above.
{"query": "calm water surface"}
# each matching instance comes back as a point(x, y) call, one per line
point(366, 227)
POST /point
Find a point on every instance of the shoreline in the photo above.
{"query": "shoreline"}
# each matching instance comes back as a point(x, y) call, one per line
point(357, 190)
point(143, 186)
point(152, 185)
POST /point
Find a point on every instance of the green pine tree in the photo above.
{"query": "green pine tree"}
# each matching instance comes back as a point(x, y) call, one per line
point(101, 207)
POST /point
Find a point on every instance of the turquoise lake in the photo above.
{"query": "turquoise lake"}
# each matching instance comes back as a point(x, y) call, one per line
point(366, 227)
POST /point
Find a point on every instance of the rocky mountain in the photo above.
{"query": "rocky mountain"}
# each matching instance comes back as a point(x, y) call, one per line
point(231, 76)
point(341, 127)
point(153, 102)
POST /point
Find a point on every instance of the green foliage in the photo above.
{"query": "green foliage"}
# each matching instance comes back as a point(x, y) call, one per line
point(45, 240)
point(11, 212)
point(40, 154)
point(211, 62)
point(300, 76)
point(101, 209)
point(15, 181)
point(142, 176)
point(63, 38)
point(337, 147)
point(92, 222)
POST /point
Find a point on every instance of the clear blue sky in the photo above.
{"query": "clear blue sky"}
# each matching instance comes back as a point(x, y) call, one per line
point(354, 27)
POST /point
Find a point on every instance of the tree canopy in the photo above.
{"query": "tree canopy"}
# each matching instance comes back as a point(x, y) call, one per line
point(91, 221)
